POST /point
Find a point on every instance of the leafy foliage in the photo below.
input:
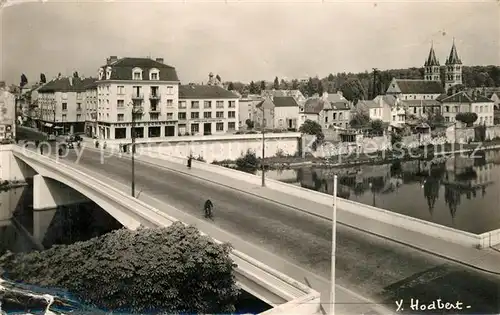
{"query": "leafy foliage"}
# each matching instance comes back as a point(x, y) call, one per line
point(276, 84)
point(377, 126)
point(311, 127)
point(250, 124)
point(359, 119)
point(43, 79)
point(24, 80)
point(248, 163)
point(173, 270)
point(466, 118)
point(230, 87)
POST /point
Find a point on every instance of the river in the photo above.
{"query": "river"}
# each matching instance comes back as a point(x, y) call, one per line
point(23, 230)
point(461, 192)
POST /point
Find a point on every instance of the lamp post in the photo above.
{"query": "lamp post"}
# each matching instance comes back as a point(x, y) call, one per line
point(334, 242)
point(263, 149)
point(135, 110)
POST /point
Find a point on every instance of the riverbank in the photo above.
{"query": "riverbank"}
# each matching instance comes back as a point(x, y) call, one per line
point(10, 184)
point(379, 157)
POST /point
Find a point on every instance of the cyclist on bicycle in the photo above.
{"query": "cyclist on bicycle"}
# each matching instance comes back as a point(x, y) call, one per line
point(208, 208)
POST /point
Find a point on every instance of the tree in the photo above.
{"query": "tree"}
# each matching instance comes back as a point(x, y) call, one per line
point(467, 118)
point(331, 77)
point(75, 74)
point(24, 80)
point(217, 77)
point(295, 84)
point(310, 88)
point(283, 85)
point(263, 85)
point(248, 163)
point(252, 88)
point(311, 127)
point(359, 119)
point(320, 88)
point(250, 123)
point(43, 79)
point(230, 87)
point(167, 270)
point(377, 126)
point(276, 84)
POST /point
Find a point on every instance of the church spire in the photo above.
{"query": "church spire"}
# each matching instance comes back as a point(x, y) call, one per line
point(453, 58)
point(432, 60)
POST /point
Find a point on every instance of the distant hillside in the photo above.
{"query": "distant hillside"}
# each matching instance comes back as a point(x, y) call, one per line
point(357, 86)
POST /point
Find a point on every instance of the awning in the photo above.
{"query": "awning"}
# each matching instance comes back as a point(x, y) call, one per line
point(48, 125)
point(58, 127)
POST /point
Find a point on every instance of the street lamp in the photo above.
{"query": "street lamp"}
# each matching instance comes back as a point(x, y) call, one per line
point(135, 111)
point(263, 149)
point(334, 242)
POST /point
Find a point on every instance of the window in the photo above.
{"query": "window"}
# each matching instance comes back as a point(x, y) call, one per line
point(334, 116)
point(170, 90)
point(64, 117)
point(207, 115)
point(182, 104)
point(207, 104)
point(120, 90)
point(154, 116)
point(393, 117)
point(120, 103)
point(154, 91)
point(170, 116)
point(231, 114)
point(120, 117)
point(154, 74)
point(137, 74)
point(220, 104)
point(170, 103)
point(231, 126)
point(78, 117)
point(219, 114)
point(414, 110)
point(326, 119)
point(195, 104)
point(232, 104)
point(64, 106)
point(340, 116)
point(195, 115)
point(195, 128)
point(78, 106)
point(182, 116)
point(219, 126)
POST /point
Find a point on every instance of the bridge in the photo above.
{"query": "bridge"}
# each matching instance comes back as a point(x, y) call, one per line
point(290, 233)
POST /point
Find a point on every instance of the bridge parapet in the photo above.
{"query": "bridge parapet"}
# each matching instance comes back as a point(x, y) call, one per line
point(266, 283)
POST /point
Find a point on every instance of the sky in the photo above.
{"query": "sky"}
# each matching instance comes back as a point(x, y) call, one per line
point(242, 40)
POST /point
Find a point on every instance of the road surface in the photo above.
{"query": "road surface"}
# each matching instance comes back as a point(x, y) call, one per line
point(377, 268)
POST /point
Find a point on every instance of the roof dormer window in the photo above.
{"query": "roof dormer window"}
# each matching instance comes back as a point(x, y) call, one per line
point(154, 74)
point(101, 73)
point(137, 74)
point(108, 73)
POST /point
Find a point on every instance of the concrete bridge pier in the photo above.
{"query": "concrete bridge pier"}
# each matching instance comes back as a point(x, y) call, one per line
point(50, 194)
point(41, 222)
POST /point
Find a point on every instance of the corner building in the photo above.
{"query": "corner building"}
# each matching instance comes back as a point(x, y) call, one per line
point(144, 87)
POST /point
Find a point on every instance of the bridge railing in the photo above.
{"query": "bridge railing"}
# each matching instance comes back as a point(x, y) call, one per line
point(297, 294)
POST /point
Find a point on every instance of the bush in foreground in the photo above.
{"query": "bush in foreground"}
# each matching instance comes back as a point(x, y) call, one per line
point(173, 270)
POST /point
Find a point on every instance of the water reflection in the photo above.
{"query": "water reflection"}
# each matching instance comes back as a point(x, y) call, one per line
point(461, 192)
point(23, 229)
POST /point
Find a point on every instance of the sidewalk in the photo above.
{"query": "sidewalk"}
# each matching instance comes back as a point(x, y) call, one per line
point(487, 260)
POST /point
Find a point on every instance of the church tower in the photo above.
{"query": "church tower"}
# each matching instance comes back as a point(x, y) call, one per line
point(431, 66)
point(453, 73)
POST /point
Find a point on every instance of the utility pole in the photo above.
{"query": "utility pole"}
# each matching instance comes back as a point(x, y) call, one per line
point(263, 149)
point(334, 242)
point(375, 70)
point(132, 149)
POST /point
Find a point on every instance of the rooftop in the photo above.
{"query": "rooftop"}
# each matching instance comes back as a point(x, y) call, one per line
point(313, 106)
point(285, 101)
point(121, 69)
point(205, 92)
point(66, 84)
point(463, 97)
point(419, 86)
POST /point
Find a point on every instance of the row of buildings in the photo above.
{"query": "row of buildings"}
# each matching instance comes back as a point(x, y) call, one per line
point(139, 93)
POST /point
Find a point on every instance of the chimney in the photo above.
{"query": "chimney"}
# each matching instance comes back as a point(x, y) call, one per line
point(160, 60)
point(111, 60)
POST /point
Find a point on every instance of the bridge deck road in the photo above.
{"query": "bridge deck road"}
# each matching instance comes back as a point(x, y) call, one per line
point(370, 266)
